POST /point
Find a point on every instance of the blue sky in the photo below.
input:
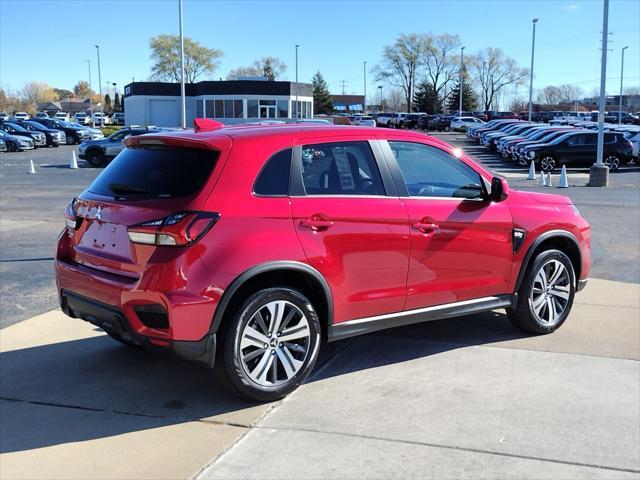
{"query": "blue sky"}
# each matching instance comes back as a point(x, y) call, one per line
point(47, 40)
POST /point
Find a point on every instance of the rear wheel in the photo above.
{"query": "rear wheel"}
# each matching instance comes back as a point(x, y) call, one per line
point(95, 158)
point(548, 163)
point(271, 344)
point(546, 294)
point(71, 140)
point(612, 161)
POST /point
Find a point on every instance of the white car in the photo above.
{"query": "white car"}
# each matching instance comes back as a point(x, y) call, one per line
point(64, 116)
point(635, 145)
point(4, 116)
point(82, 118)
point(21, 116)
point(363, 121)
point(462, 123)
point(100, 119)
point(41, 115)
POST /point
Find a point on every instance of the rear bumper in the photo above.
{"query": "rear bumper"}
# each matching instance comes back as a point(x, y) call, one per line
point(114, 321)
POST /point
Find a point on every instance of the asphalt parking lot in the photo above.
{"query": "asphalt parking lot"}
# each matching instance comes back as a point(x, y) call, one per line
point(464, 398)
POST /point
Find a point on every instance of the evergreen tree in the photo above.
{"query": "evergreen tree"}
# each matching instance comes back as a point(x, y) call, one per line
point(322, 101)
point(116, 103)
point(469, 100)
point(107, 103)
point(425, 98)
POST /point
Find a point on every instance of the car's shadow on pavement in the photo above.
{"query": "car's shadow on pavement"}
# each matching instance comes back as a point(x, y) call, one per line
point(134, 390)
point(65, 166)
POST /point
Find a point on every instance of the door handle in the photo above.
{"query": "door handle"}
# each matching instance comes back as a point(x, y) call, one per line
point(426, 227)
point(316, 223)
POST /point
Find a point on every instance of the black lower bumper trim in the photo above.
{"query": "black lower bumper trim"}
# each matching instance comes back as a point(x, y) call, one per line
point(113, 321)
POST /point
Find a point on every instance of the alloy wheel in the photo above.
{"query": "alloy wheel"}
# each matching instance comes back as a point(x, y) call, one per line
point(551, 292)
point(548, 164)
point(613, 162)
point(275, 343)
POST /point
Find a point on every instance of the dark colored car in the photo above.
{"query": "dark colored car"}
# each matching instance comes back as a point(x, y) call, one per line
point(74, 135)
point(440, 123)
point(249, 246)
point(12, 128)
point(518, 151)
point(100, 152)
point(579, 148)
point(493, 115)
point(411, 120)
point(54, 137)
point(622, 117)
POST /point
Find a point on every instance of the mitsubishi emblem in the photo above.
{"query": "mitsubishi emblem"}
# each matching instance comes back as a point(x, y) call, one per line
point(98, 214)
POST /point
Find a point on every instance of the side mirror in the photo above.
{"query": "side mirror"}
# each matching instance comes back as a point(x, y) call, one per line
point(499, 189)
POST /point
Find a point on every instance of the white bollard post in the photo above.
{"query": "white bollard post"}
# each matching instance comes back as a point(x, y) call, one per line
point(31, 167)
point(74, 160)
point(532, 172)
point(549, 183)
point(564, 181)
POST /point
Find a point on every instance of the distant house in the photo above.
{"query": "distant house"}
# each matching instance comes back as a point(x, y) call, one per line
point(348, 103)
point(69, 105)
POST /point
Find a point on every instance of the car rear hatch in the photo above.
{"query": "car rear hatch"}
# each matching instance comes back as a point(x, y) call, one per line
point(146, 206)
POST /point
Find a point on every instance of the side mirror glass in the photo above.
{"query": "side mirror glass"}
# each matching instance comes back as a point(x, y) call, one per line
point(499, 189)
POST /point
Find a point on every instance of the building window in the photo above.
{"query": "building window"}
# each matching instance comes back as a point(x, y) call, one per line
point(209, 110)
point(283, 109)
point(252, 108)
point(238, 109)
point(267, 109)
point(199, 112)
point(228, 109)
point(219, 108)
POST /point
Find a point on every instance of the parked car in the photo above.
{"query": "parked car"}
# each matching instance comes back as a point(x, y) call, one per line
point(118, 118)
point(411, 121)
point(625, 118)
point(440, 123)
point(493, 115)
point(363, 121)
point(74, 135)
point(462, 123)
point(507, 146)
point(41, 115)
point(20, 116)
point(386, 119)
point(64, 116)
point(4, 116)
point(99, 118)
point(16, 143)
point(222, 241)
point(54, 138)
point(490, 139)
point(3, 145)
point(94, 133)
point(519, 152)
point(579, 148)
point(635, 143)
point(82, 118)
point(12, 128)
point(100, 152)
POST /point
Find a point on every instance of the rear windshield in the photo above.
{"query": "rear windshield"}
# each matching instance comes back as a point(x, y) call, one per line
point(156, 172)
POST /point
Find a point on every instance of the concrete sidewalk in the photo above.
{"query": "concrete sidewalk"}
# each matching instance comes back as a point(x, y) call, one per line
point(468, 398)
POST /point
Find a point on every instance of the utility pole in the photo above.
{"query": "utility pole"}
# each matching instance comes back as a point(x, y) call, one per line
point(461, 75)
point(364, 107)
point(344, 84)
point(621, 75)
point(100, 88)
point(533, 47)
point(380, 88)
point(183, 100)
point(90, 99)
point(599, 173)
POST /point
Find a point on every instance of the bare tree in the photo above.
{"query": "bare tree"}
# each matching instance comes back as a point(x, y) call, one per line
point(241, 72)
point(549, 95)
point(570, 93)
point(400, 63)
point(441, 68)
point(165, 53)
point(494, 71)
point(271, 67)
point(395, 99)
point(36, 92)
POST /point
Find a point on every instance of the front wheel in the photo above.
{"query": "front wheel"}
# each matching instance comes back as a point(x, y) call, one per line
point(271, 344)
point(95, 158)
point(546, 294)
point(12, 147)
point(612, 161)
point(548, 163)
point(71, 140)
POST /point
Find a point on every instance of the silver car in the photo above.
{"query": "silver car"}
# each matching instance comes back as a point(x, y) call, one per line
point(100, 152)
point(94, 133)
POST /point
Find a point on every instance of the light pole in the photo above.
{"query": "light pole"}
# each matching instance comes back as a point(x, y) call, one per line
point(183, 104)
point(296, 109)
point(485, 74)
point(100, 88)
point(364, 107)
point(380, 88)
point(115, 92)
point(599, 173)
point(90, 99)
point(460, 84)
point(533, 46)
point(621, 75)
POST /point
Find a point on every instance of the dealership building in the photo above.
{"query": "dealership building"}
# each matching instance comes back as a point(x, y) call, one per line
point(228, 101)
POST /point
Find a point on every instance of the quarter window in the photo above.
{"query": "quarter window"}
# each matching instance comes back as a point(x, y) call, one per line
point(274, 177)
point(431, 172)
point(341, 168)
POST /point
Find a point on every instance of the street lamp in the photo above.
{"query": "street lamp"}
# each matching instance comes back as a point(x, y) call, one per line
point(533, 46)
point(621, 75)
point(380, 88)
point(296, 109)
point(599, 173)
point(115, 92)
point(90, 91)
point(100, 88)
point(485, 74)
point(364, 107)
point(460, 84)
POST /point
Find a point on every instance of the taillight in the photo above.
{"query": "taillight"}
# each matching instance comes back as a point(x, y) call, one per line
point(71, 219)
point(177, 230)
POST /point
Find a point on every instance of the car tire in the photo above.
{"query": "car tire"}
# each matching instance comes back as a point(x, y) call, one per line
point(612, 161)
point(447, 128)
point(546, 294)
point(71, 140)
point(254, 361)
point(95, 158)
point(12, 147)
point(548, 162)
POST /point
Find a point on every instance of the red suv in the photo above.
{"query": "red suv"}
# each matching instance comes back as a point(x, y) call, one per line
point(250, 245)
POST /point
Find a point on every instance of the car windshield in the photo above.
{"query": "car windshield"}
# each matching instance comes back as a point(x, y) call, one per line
point(17, 127)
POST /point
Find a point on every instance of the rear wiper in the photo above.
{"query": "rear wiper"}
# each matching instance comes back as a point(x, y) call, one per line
point(123, 189)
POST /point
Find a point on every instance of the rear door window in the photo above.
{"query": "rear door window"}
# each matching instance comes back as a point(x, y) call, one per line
point(156, 172)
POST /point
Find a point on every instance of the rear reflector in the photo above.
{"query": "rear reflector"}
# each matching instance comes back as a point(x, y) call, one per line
point(177, 230)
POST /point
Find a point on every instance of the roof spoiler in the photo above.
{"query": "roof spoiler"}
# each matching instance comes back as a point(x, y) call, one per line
point(206, 125)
